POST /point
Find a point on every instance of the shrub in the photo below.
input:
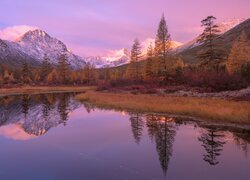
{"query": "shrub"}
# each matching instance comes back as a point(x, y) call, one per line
point(216, 81)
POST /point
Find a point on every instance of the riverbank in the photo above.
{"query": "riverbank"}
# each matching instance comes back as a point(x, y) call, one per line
point(212, 109)
point(43, 89)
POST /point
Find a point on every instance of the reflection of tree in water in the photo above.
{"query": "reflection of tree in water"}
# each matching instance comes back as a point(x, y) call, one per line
point(63, 104)
point(163, 130)
point(212, 141)
point(46, 106)
point(242, 140)
point(25, 104)
point(136, 125)
point(89, 107)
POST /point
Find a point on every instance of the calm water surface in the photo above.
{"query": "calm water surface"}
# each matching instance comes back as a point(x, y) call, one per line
point(54, 137)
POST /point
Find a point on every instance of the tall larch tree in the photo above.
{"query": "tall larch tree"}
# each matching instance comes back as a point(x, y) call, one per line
point(148, 68)
point(135, 56)
point(162, 46)
point(45, 68)
point(25, 73)
point(211, 53)
point(63, 68)
point(239, 55)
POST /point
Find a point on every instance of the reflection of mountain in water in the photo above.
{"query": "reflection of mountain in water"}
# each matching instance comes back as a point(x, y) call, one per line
point(36, 114)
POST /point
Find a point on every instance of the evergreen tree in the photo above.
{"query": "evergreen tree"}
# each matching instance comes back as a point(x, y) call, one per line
point(45, 68)
point(107, 74)
point(211, 52)
point(25, 72)
point(239, 54)
point(148, 68)
point(88, 73)
point(135, 56)
point(63, 68)
point(162, 46)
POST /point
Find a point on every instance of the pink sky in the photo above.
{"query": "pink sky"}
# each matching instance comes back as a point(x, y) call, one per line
point(93, 27)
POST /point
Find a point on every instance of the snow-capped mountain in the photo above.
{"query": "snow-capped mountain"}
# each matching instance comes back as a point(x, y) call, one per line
point(34, 45)
point(222, 27)
point(38, 43)
point(112, 59)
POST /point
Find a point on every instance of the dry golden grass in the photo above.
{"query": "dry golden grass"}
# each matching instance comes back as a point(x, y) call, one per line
point(206, 108)
point(43, 89)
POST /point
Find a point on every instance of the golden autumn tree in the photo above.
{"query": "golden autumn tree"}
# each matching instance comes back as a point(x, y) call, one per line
point(148, 71)
point(162, 47)
point(239, 55)
point(133, 68)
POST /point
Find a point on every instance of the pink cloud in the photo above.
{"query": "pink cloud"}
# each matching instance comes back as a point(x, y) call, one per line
point(14, 32)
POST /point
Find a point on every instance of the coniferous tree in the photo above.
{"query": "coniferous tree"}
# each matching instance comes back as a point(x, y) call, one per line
point(25, 72)
point(45, 68)
point(211, 53)
point(88, 73)
point(63, 68)
point(162, 46)
point(135, 56)
point(148, 68)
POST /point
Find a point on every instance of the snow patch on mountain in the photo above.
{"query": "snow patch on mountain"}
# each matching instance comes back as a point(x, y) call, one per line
point(112, 59)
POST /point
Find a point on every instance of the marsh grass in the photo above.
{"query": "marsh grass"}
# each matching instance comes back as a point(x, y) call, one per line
point(217, 110)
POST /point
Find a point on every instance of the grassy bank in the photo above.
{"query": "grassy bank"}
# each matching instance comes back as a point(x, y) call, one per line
point(211, 109)
point(42, 89)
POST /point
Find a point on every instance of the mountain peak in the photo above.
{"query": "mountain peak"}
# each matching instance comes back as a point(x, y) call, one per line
point(34, 35)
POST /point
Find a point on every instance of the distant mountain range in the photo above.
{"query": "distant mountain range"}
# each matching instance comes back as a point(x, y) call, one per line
point(32, 46)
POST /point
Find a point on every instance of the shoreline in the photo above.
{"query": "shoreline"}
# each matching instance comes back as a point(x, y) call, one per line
point(43, 90)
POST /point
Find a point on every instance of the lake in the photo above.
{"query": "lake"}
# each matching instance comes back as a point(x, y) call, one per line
point(52, 136)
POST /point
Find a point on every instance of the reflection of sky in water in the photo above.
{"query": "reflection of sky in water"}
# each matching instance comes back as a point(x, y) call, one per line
point(105, 144)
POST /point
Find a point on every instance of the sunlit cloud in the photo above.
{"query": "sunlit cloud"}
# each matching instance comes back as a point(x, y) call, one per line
point(14, 32)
